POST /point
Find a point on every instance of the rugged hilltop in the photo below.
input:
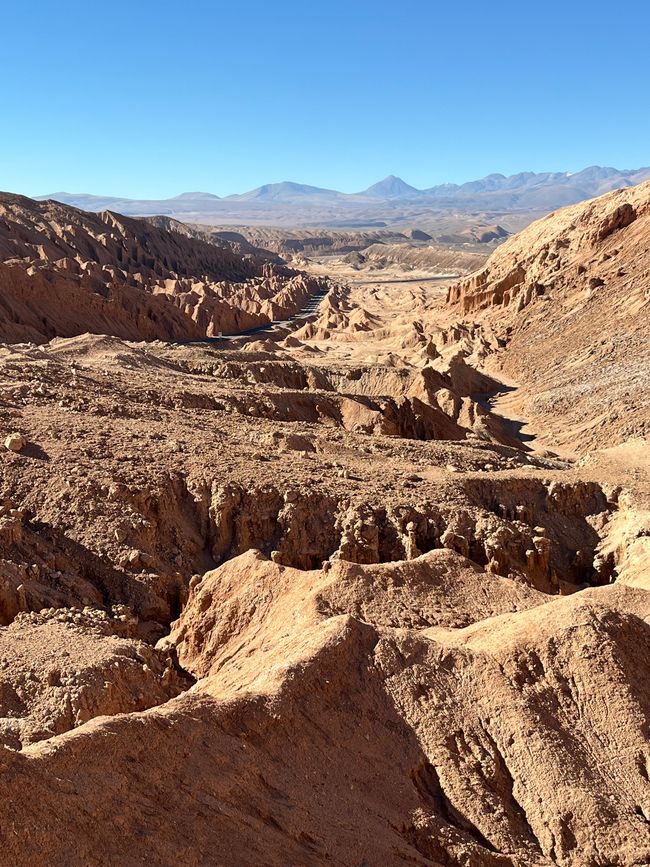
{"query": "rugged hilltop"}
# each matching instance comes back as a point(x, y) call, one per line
point(569, 299)
point(310, 597)
point(65, 272)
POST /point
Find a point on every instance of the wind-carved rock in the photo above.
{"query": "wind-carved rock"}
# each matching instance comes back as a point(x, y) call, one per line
point(64, 274)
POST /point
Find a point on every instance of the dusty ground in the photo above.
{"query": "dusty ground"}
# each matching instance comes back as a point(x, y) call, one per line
point(307, 597)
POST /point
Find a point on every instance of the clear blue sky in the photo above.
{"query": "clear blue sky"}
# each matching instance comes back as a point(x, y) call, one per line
point(150, 98)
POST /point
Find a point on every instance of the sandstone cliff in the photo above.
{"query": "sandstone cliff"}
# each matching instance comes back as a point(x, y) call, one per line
point(64, 272)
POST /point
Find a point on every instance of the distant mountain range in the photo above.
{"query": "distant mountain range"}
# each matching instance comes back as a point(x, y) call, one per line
point(389, 201)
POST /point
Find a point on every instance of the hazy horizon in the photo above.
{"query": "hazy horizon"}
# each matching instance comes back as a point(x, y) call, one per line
point(316, 186)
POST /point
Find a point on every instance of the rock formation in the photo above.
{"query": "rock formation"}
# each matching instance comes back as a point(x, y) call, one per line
point(65, 272)
point(569, 299)
point(319, 594)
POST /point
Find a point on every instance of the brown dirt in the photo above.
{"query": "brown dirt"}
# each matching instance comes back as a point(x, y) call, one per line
point(306, 597)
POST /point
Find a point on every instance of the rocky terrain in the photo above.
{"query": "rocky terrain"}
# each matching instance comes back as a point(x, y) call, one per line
point(320, 242)
point(308, 242)
point(428, 258)
point(367, 588)
point(569, 298)
point(66, 272)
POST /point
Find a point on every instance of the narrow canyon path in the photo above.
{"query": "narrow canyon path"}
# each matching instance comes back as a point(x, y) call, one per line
point(393, 318)
point(310, 308)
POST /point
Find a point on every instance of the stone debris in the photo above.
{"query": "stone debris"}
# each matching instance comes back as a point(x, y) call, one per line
point(15, 442)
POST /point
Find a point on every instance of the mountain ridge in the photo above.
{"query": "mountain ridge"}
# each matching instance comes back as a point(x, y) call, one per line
point(391, 187)
point(304, 204)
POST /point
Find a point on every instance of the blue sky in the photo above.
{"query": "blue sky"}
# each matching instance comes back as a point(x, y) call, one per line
point(150, 99)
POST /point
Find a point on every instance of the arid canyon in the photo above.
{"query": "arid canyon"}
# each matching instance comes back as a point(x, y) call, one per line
point(325, 546)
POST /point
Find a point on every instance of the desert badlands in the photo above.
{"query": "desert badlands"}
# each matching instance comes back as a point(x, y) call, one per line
point(324, 549)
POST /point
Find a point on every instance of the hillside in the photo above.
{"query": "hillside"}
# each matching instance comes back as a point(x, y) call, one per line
point(569, 299)
point(65, 271)
point(431, 258)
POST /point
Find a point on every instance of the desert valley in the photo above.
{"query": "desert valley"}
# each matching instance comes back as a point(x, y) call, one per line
point(326, 544)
